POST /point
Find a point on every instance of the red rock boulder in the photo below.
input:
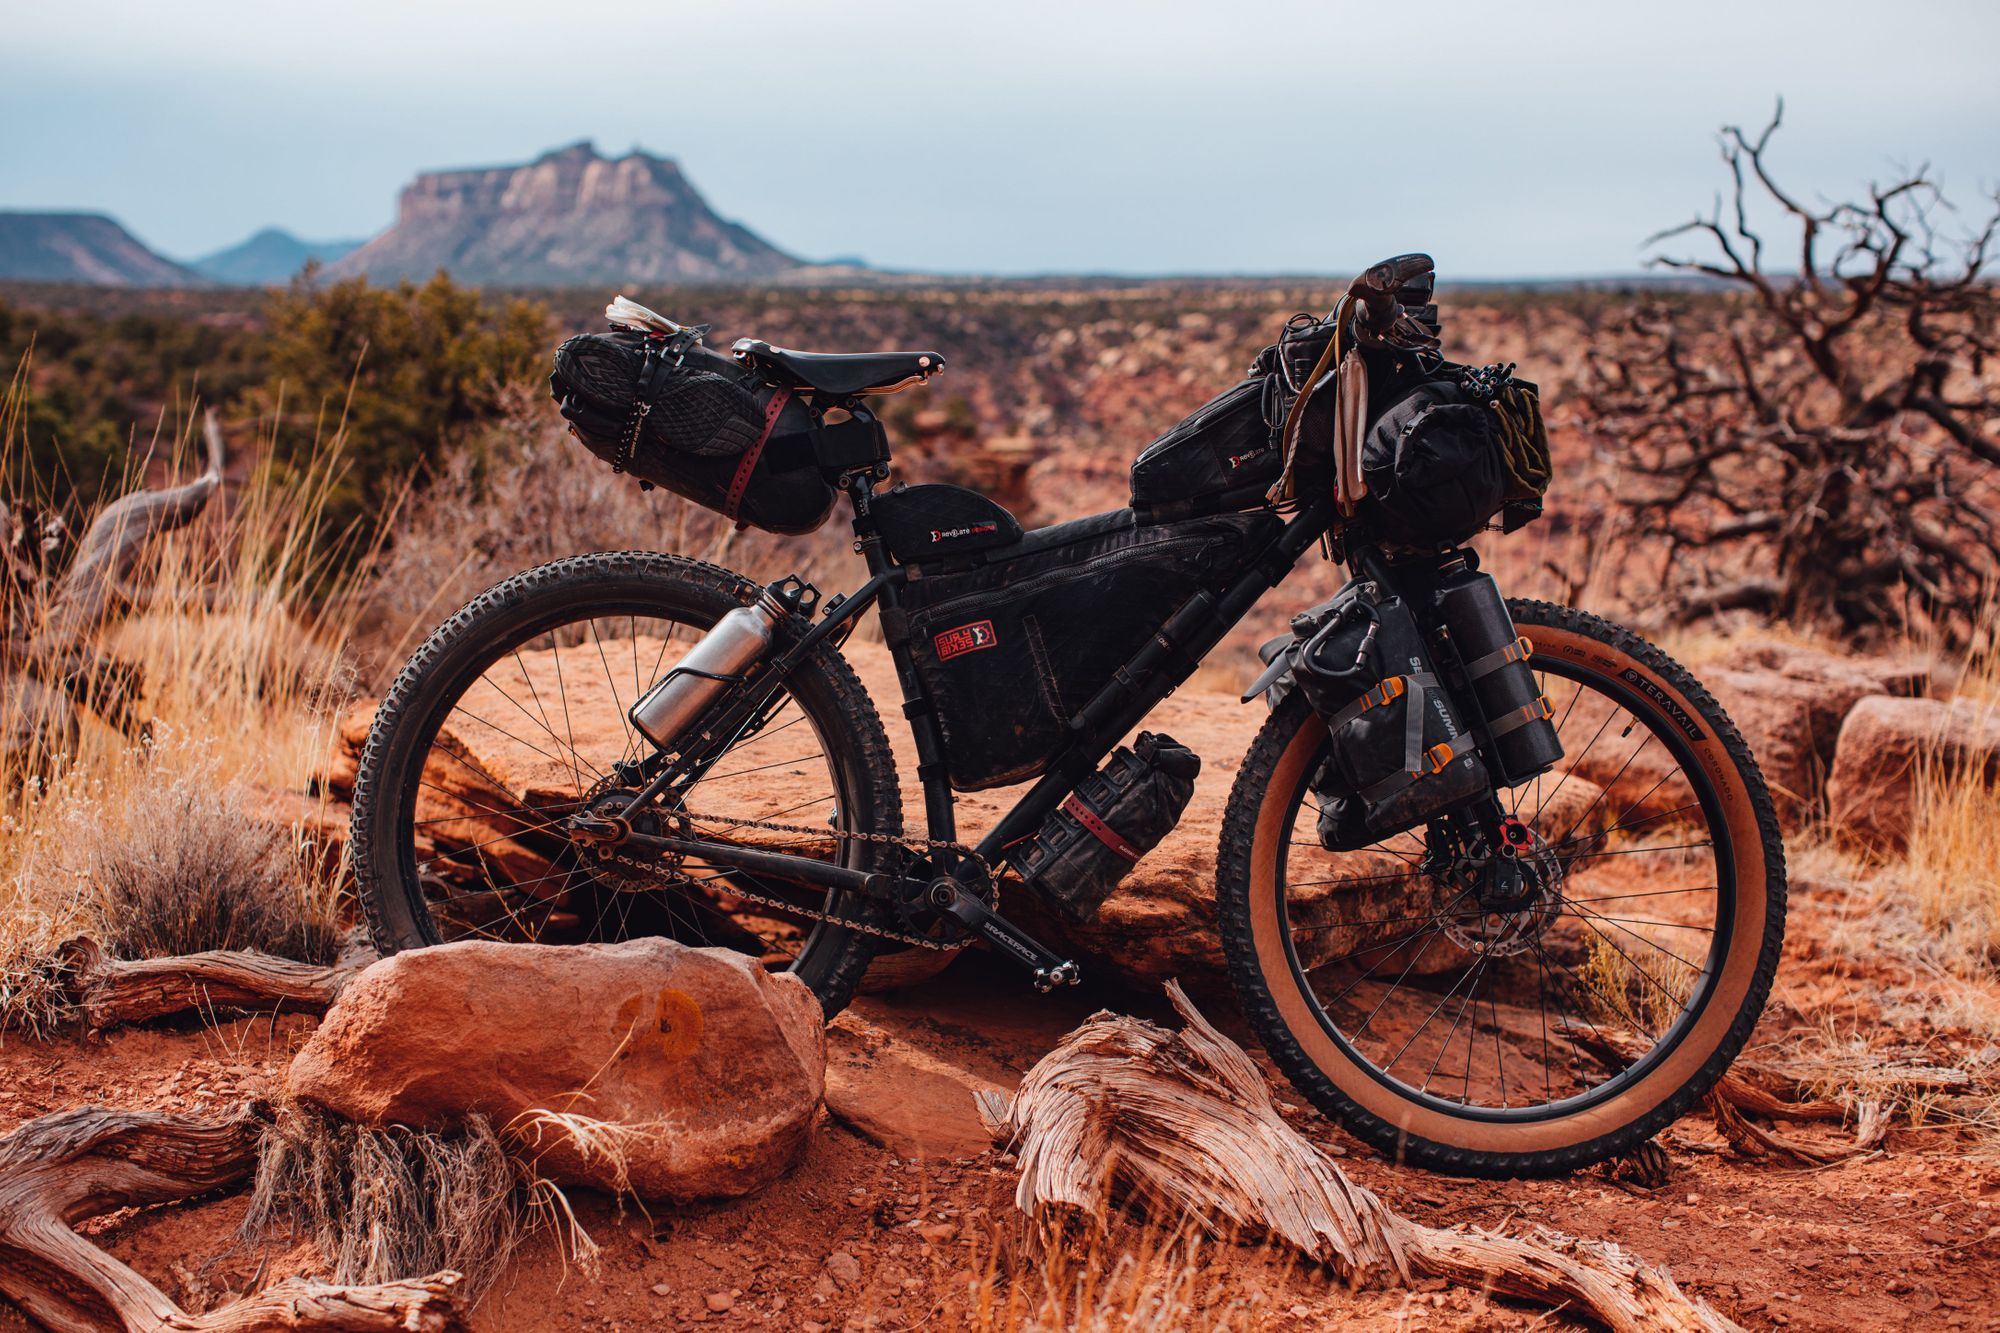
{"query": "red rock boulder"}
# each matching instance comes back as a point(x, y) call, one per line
point(1883, 747)
point(707, 1069)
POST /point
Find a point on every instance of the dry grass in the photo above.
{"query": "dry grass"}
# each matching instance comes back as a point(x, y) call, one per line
point(1952, 866)
point(1124, 1278)
point(182, 861)
point(392, 1203)
point(168, 837)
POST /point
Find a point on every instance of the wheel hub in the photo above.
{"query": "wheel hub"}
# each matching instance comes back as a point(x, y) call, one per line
point(1506, 899)
point(603, 826)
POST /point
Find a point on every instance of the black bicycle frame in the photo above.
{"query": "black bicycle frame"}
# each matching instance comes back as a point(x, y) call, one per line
point(1157, 670)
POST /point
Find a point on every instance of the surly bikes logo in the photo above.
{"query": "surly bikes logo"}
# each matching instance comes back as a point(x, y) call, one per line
point(965, 639)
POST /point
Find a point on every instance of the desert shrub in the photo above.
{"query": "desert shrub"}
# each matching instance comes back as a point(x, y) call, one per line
point(164, 824)
point(103, 384)
point(183, 861)
point(403, 371)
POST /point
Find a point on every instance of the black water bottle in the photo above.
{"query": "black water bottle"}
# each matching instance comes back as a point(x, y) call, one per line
point(1524, 740)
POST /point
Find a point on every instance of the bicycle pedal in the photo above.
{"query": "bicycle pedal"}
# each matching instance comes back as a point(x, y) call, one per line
point(1065, 973)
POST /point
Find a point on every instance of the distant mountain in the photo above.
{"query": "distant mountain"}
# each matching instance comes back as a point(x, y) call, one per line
point(270, 258)
point(569, 218)
point(83, 247)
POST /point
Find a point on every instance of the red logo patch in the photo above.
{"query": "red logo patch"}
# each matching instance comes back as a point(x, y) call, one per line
point(965, 639)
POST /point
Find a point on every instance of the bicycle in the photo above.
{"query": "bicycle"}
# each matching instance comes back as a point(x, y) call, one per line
point(1610, 926)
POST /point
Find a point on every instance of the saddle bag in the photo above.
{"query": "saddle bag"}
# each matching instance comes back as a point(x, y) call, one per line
point(1112, 819)
point(1014, 643)
point(1400, 755)
point(1455, 451)
point(676, 414)
point(1223, 456)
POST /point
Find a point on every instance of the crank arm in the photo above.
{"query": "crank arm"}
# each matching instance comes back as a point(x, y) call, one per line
point(1050, 970)
point(778, 865)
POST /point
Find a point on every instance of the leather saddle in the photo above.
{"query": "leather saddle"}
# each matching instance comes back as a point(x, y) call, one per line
point(837, 374)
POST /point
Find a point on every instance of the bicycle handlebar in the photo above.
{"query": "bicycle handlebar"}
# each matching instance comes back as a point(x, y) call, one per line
point(1381, 314)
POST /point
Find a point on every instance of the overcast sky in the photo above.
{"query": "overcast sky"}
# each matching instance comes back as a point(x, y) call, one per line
point(1510, 139)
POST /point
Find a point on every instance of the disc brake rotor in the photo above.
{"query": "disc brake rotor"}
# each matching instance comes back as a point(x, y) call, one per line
point(1503, 932)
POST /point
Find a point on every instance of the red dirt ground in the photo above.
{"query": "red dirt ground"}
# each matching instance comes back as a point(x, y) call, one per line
point(1908, 1236)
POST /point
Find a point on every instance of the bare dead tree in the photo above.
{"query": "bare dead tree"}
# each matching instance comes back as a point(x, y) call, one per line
point(1821, 444)
point(51, 668)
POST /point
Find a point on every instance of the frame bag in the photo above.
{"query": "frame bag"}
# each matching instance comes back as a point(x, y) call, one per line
point(673, 413)
point(1399, 754)
point(1013, 647)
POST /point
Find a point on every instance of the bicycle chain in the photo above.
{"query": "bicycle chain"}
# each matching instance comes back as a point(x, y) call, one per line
point(834, 918)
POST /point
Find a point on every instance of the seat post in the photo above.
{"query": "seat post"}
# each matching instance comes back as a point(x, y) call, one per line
point(859, 486)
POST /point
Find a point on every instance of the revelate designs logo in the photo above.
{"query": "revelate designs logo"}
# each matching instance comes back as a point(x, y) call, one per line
point(965, 639)
point(971, 530)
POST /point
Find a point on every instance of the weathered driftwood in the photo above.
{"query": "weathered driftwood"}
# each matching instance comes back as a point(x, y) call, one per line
point(112, 543)
point(51, 670)
point(111, 993)
point(63, 1168)
point(1183, 1123)
point(1776, 1091)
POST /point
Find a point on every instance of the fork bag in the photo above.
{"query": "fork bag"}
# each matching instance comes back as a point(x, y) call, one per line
point(1400, 755)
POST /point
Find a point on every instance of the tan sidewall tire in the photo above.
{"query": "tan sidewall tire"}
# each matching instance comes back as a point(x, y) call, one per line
point(1682, 1067)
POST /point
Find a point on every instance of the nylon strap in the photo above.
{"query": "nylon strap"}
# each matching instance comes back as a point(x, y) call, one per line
point(1100, 830)
point(1518, 651)
point(740, 483)
point(1538, 711)
point(651, 361)
point(1288, 437)
point(1397, 783)
point(1415, 686)
point(1379, 695)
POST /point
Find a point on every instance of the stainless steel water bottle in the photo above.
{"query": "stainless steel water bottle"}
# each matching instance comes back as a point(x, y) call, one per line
point(738, 640)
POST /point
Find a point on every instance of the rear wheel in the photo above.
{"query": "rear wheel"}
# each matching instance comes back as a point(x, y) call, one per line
point(1578, 1023)
point(512, 717)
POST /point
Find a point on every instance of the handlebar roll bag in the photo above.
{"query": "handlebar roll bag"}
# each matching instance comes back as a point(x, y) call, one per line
point(1447, 457)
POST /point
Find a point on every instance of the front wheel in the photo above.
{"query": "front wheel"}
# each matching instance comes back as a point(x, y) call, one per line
point(1572, 1027)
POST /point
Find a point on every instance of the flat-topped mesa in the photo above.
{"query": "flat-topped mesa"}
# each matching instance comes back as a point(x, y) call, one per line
point(570, 217)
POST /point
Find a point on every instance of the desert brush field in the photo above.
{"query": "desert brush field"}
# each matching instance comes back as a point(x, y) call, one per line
point(1799, 509)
